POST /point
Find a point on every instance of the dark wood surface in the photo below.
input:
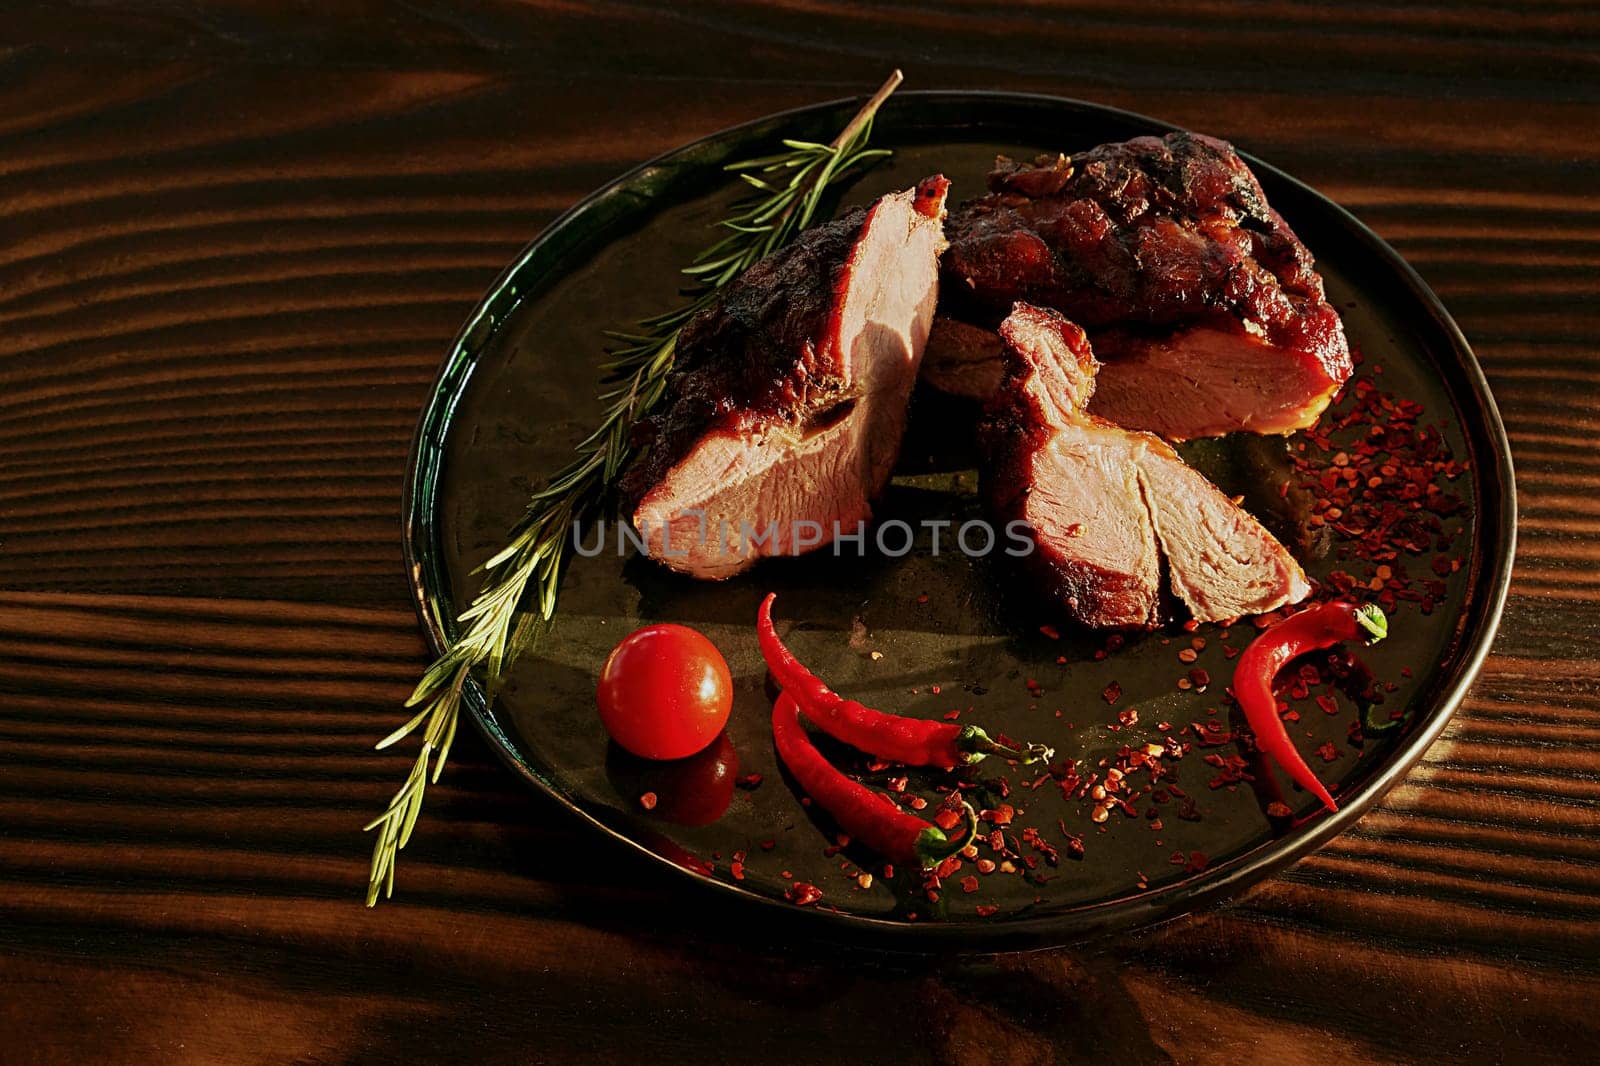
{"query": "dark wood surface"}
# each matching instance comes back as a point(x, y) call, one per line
point(234, 242)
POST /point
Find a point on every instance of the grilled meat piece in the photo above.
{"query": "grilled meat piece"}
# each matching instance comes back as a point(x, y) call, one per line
point(1113, 509)
point(1203, 305)
point(784, 412)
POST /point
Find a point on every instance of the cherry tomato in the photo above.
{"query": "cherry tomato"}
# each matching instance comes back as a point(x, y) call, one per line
point(692, 791)
point(665, 692)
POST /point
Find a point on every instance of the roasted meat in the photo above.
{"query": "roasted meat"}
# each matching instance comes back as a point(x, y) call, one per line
point(784, 411)
point(1113, 510)
point(1203, 306)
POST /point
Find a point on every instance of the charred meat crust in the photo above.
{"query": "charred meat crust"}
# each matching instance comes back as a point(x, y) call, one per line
point(1150, 234)
point(752, 356)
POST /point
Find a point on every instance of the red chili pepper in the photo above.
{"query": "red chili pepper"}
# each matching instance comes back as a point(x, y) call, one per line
point(1318, 627)
point(888, 736)
point(867, 816)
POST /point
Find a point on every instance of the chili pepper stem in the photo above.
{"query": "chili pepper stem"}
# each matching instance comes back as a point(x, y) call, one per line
point(1372, 619)
point(977, 745)
point(934, 846)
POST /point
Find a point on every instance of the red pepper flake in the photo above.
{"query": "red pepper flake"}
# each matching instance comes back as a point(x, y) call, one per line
point(1128, 717)
point(934, 689)
point(1001, 815)
point(922, 598)
point(1229, 652)
point(1328, 751)
point(736, 868)
point(951, 716)
point(1051, 631)
point(947, 819)
point(768, 845)
point(986, 866)
point(969, 884)
point(1199, 678)
point(648, 801)
point(749, 782)
point(986, 910)
point(803, 893)
point(1328, 704)
point(1112, 693)
point(1188, 655)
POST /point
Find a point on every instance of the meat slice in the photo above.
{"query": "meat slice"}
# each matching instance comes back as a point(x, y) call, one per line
point(1204, 306)
point(784, 411)
point(1111, 509)
point(1072, 478)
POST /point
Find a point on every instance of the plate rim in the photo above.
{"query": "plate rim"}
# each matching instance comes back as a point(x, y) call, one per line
point(1088, 920)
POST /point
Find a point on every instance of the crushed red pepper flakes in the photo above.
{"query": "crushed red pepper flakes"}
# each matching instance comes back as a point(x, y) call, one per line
point(1384, 491)
point(986, 910)
point(749, 782)
point(969, 884)
point(803, 893)
point(648, 801)
point(1112, 693)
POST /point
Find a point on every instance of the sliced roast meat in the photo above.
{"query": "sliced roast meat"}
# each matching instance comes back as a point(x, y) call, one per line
point(1113, 509)
point(784, 410)
point(1204, 306)
point(1073, 479)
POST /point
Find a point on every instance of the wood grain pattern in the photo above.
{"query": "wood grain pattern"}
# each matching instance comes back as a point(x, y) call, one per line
point(234, 241)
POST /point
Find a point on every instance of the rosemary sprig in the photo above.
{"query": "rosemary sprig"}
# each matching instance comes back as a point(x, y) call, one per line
point(519, 591)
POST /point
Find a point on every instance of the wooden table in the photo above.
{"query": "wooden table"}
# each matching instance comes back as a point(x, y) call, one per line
point(234, 243)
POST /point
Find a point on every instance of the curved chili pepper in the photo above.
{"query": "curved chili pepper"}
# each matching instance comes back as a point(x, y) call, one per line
point(1318, 627)
point(867, 816)
point(912, 741)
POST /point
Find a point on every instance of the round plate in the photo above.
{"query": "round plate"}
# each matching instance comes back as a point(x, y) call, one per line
point(928, 634)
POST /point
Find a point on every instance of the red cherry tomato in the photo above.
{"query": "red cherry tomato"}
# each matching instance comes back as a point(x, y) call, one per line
point(665, 692)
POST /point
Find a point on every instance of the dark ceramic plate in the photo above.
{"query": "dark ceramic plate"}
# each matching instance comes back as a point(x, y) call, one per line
point(953, 632)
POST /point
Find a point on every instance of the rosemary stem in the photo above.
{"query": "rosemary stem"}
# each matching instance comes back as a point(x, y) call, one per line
point(521, 580)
